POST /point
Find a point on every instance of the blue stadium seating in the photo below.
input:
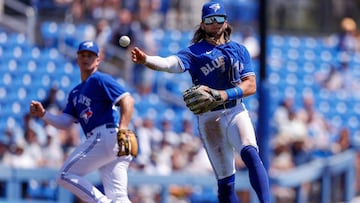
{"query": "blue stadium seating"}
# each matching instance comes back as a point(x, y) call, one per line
point(292, 62)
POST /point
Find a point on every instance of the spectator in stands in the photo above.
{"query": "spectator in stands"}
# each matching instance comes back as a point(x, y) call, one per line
point(153, 12)
point(76, 14)
point(144, 10)
point(343, 140)
point(251, 42)
point(50, 102)
point(52, 152)
point(149, 137)
point(124, 25)
point(294, 126)
point(35, 125)
point(38, 189)
point(162, 158)
point(198, 161)
point(287, 124)
point(348, 38)
point(13, 136)
point(187, 133)
point(342, 144)
point(318, 128)
point(180, 160)
point(103, 32)
point(33, 147)
point(189, 157)
point(281, 161)
point(357, 173)
point(143, 77)
point(332, 80)
point(18, 157)
point(301, 151)
point(180, 157)
point(181, 14)
point(281, 113)
point(106, 9)
point(169, 134)
point(350, 83)
point(3, 148)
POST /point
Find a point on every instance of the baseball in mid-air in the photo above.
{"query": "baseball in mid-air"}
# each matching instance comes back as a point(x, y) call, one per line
point(124, 41)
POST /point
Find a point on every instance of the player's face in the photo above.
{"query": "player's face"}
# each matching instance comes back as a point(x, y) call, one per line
point(87, 60)
point(214, 26)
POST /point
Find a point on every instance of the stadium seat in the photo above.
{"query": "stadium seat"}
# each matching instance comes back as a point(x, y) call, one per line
point(49, 32)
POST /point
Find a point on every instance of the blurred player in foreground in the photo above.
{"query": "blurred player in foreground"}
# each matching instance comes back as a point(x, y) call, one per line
point(104, 110)
point(223, 68)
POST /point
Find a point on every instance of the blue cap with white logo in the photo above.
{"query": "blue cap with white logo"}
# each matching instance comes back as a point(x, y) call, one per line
point(213, 9)
point(89, 46)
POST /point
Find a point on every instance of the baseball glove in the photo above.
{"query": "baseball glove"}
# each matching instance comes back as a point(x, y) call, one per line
point(200, 99)
point(127, 142)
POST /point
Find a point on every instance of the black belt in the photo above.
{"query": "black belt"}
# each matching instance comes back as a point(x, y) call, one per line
point(227, 105)
point(107, 125)
point(111, 125)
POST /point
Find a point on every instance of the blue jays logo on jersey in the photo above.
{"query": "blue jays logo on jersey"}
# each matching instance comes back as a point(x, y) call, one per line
point(216, 63)
point(215, 7)
point(86, 114)
point(82, 99)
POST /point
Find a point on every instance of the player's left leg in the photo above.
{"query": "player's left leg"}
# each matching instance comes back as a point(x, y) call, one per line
point(257, 173)
point(115, 179)
point(243, 129)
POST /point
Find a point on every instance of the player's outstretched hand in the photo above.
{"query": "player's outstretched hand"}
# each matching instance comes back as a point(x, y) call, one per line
point(36, 109)
point(138, 56)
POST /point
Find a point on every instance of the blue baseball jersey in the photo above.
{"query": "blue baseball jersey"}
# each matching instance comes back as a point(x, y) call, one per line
point(217, 66)
point(92, 102)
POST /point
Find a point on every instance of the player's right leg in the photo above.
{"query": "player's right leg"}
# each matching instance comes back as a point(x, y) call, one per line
point(226, 190)
point(87, 157)
point(220, 153)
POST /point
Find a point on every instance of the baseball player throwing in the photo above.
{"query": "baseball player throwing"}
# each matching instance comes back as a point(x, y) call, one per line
point(104, 110)
point(221, 72)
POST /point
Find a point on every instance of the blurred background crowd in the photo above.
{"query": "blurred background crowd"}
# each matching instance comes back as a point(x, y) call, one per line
point(313, 71)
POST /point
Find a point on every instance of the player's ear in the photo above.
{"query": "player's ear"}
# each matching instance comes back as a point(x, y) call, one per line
point(101, 54)
point(202, 25)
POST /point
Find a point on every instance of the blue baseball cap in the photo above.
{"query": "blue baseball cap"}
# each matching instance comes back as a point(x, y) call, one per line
point(89, 46)
point(213, 9)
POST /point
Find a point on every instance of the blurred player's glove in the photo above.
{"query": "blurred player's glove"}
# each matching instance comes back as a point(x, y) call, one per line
point(200, 99)
point(127, 142)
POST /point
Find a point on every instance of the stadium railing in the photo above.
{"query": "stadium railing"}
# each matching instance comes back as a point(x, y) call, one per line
point(321, 170)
